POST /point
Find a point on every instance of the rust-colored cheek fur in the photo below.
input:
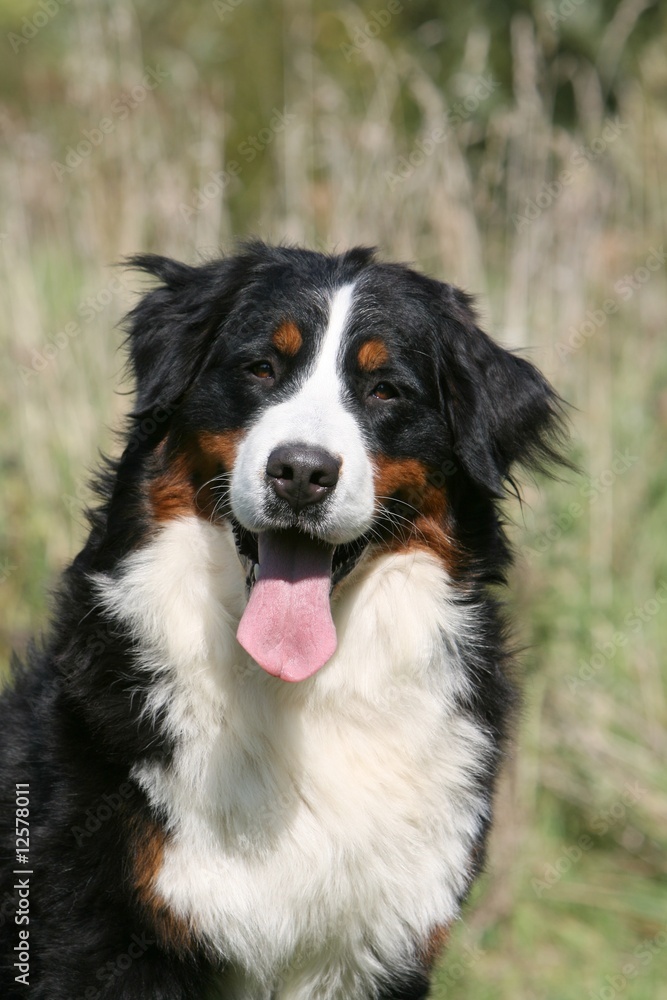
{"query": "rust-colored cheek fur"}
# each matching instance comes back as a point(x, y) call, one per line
point(192, 480)
point(406, 480)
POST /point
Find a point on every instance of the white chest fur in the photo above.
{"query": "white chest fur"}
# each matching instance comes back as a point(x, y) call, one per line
point(316, 828)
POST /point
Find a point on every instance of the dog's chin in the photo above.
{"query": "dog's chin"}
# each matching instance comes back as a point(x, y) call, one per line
point(344, 559)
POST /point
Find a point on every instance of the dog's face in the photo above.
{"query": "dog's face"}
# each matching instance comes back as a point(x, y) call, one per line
point(304, 462)
point(327, 407)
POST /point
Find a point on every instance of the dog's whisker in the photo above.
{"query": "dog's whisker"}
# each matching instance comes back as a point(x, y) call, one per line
point(239, 751)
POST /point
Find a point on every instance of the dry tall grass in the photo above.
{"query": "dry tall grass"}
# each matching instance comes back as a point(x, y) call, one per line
point(486, 206)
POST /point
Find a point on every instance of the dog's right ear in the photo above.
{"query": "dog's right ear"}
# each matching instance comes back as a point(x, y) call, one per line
point(171, 327)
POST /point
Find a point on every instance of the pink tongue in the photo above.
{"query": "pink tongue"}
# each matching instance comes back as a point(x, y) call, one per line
point(287, 626)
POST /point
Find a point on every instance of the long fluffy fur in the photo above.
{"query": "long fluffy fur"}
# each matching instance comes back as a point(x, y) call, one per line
point(198, 827)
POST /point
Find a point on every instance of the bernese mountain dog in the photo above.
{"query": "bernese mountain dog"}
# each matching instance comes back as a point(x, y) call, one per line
point(254, 758)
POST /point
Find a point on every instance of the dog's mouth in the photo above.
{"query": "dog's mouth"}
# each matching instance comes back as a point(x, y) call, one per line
point(287, 626)
point(345, 557)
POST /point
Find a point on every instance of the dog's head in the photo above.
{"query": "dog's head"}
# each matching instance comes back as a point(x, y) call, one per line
point(326, 406)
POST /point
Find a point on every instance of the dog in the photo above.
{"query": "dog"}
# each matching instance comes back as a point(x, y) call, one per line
point(255, 757)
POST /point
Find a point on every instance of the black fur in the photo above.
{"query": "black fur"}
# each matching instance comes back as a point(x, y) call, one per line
point(72, 723)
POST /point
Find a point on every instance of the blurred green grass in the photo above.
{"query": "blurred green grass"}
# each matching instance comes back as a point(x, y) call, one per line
point(357, 162)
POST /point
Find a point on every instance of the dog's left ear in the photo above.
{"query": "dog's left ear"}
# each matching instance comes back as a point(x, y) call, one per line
point(502, 411)
point(173, 324)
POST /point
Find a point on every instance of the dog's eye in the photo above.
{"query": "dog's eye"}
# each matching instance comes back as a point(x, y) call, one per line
point(263, 370)
point(384, 390)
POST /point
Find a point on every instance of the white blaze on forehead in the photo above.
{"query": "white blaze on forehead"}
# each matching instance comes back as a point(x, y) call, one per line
point(311, 414)
point(314, 415)
point(326, 361)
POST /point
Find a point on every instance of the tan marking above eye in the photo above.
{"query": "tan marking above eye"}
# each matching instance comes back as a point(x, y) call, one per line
point(373, 354)
point(287, 339)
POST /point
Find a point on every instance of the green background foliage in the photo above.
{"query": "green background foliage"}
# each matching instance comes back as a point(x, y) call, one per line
point(514, 148)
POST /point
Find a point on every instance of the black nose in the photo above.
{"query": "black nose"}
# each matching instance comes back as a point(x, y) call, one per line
point(302, 475)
